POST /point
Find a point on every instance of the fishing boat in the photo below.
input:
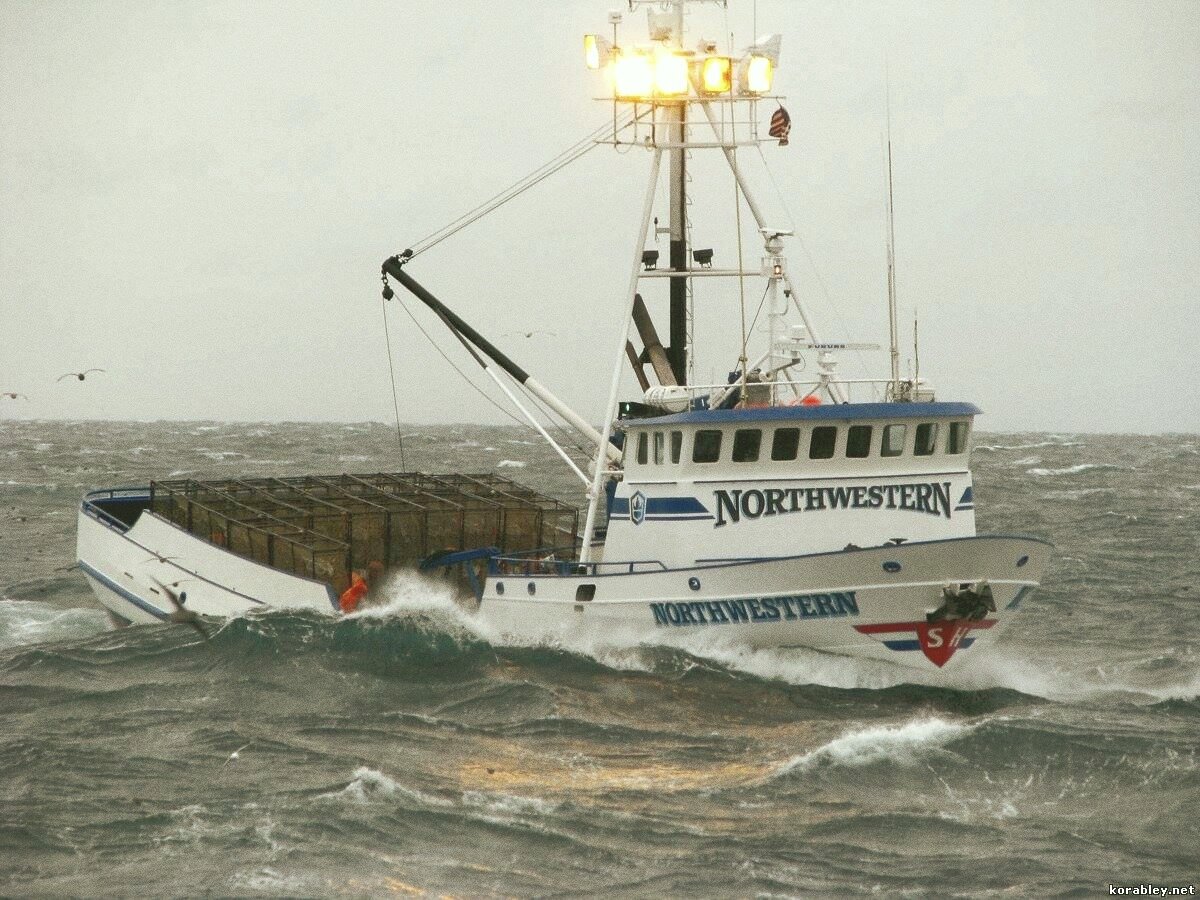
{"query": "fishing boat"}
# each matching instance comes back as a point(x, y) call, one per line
point(786, 506)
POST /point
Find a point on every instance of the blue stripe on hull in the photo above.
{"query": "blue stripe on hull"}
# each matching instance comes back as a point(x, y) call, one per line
point(916, 645)
point(122, 592)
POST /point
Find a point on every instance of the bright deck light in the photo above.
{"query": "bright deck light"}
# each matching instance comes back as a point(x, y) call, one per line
point(597, 51)
point(670, 74)
point(633, 75)
point(591, 51)
point(716, 75)
point(759, 75)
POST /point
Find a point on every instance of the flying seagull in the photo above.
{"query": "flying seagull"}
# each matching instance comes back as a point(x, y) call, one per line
point(79, 375)
point(181, 616)
point(234, 757)
point(12, 395)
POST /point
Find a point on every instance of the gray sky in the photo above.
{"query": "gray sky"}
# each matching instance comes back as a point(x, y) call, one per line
point(197, 196)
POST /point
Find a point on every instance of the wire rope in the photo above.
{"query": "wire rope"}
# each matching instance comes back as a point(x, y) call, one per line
point(538, 175)
point(461, 373)
point(392, 373)
point(737, 209)
point(812, 264)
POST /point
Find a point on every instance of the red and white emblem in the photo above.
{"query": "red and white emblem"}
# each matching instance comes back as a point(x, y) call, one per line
point(937, 640)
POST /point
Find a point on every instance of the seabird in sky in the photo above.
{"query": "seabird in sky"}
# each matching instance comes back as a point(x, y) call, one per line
point(79, 375)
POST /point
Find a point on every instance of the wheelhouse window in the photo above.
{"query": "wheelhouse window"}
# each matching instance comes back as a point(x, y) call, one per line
point(746, 444)
point(925, 439)
point(824, 439)
point(659, 447)
point(642, 455)
point(706, 448)
point(893, 440)
point(785, 444)
point(858, 441)
point(676, 445)
point(956, 437)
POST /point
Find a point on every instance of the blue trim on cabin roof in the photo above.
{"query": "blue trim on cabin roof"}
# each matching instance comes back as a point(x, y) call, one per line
point(826, 411)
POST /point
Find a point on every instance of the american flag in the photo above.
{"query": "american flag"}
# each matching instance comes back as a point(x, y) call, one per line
point(781, 124)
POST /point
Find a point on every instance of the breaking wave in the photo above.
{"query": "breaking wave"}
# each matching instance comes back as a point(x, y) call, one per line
point(905, 745)
point(1075, 470)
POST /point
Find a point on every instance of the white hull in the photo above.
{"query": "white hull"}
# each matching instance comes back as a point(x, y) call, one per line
point(870, 603)
point(126, 568)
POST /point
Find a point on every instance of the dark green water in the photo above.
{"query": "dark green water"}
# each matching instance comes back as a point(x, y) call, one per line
point(407, 752)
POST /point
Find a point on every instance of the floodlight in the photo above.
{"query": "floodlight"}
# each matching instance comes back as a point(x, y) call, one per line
point(716, 75)
point(757, 75)
point(756, 70)
point(670, 74)
point(650, 259)
point(633, 75)
point(597, 51)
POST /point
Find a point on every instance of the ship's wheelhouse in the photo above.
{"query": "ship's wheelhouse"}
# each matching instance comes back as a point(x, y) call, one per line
point(807, 442)
point(860, 474)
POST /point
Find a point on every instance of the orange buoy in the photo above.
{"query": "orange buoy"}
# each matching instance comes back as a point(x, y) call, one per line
point(810, 400)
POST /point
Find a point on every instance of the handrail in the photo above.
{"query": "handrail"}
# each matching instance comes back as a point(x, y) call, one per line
point(89, 508)
point(529, 563)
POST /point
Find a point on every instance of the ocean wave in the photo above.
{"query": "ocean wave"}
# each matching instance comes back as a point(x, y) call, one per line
point(993, 448)
point(509, 804)
point(1075, 470)
point(369, 785)
point(270, 881)
point(25, 622)
point(1184, 690)
point(218, 455)
point(904, 745)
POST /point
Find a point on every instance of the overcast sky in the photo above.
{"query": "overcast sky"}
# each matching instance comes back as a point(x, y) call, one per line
point(197, 196)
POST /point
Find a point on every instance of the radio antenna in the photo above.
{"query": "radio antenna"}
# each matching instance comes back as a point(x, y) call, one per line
point(891, 254)
point(916, 358)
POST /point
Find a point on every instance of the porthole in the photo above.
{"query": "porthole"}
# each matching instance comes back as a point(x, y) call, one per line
point(1022, 561)
point(499, 587)
point(532, 588)
point(694, 583)
point(892, 566)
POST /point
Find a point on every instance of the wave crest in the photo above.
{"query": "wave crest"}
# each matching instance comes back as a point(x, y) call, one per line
point(900, 744)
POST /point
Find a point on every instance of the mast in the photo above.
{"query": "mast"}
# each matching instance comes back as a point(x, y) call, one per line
point(677, 173)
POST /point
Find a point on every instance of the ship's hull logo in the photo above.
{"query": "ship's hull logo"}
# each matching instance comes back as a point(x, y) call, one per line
point(937, 640)
point(637, 508)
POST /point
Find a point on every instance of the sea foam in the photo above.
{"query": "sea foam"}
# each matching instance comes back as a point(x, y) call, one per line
point(904, 745)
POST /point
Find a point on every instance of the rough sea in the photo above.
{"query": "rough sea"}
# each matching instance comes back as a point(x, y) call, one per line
point(406, 751)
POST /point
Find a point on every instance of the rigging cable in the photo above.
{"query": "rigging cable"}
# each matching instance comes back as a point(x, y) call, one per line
point(573, 441)
point(564, 158)
point(758, 311)
point(812, 263)
point(737, 209)
point(461, 373)
point(392, 373)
